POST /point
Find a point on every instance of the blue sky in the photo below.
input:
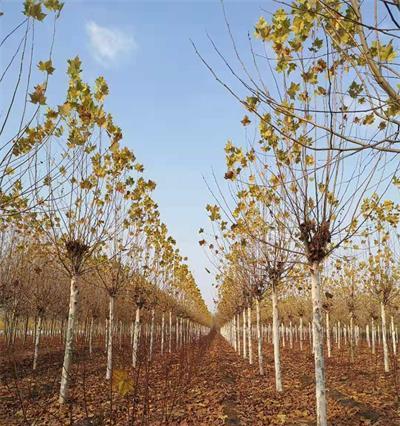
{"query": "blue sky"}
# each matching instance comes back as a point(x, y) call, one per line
point(173, 113)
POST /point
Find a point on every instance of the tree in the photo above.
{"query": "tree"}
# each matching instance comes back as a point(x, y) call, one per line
point(76, 203)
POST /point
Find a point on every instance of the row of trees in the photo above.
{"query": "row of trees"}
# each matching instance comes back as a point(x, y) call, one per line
point(76, 211)
point(310, 194)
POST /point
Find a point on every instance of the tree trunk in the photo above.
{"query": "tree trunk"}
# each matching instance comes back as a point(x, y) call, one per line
point(135, 337)
point(162, 334)
point(259, 339)
point(275, 338)
point(301, 333)
point(170, 333)
point(318, 346)
point(249, 335)
point(238, 333)
point(110, 338)
point(37, 342)
point(351, 336)
point(328, 335)
point(373, 336)
point(178, 332)
point(234, 333)
point(91, 337)
point(120, 333)
point(106, 337)
point(384, 339)
point(244, 334)
point(393, 335)
point(69, 339)
point(26, 329)
point(151, 335)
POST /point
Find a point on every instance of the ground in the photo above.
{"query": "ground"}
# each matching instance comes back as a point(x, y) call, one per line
point(203, 384)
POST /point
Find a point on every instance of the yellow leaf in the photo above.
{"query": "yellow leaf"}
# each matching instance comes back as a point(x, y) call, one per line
point(122, 382)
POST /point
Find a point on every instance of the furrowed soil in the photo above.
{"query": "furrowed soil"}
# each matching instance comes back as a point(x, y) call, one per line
point(206, 383)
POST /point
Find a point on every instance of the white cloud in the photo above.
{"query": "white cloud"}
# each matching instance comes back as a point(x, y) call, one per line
point(109, 45)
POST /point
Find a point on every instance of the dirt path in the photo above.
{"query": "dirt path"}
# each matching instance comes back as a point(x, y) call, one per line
point(212, 397)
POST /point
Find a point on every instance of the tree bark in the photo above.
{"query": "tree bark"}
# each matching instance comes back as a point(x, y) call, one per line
point(318, 346)
point(91, 337)
point(170, 333)
point(37, 342)
point(69, 340)
point(26, 329)
point(301, 333)
point(259, 339)
point(151, 335)
point(351, 336)
point(328, 335)
point(373, 335)
point(135, 337)
point(238, 333)
point(110, 338)
point(275, 338)
point(249, 335)
point(393, 336)
point(384, 339)
point(234, 333)
point(162, 334)
point(244, 334)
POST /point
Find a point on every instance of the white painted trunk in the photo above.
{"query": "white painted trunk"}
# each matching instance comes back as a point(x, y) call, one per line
point(234, 333)
point(378, 332)
point(301, 333)
point(170, 333)
point(373, 337)
point(320, 391)
point(238, 333)
point(259, 339)
point(393, 335)
point(328, 335)
point(162, 334)
point(176, 332)
point(384, 339)
point(275, 339)
point(151, 335)
point(69, 340)
point(351, 336)
point(249, 335)
point(244, 334)
point(37, 342)
point(91, 337)
point(367, 334)
point(106, 337)
point(120, 334)
point(135, 343)
point(110, 338)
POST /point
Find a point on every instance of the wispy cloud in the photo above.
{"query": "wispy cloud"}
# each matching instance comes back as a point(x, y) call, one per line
point(109, 45)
